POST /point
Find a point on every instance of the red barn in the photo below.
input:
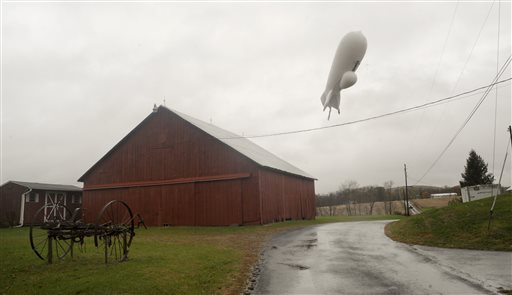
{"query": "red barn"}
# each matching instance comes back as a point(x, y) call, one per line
point(176, 170)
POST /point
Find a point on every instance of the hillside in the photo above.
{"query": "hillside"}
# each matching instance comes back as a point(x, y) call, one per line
point(459, 226)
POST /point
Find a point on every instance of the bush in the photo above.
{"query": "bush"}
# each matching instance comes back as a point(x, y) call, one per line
point(455, 201)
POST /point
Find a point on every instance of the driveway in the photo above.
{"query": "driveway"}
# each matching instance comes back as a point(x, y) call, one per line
point(357, 258)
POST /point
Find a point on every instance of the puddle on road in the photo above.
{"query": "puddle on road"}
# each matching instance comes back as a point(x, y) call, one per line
point(295, 266)
point(308, 244)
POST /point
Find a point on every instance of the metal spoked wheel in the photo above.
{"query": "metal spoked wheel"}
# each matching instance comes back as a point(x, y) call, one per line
point(43, 228)
point(115, 230)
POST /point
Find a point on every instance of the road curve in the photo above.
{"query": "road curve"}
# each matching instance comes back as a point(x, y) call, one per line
point(357, 258)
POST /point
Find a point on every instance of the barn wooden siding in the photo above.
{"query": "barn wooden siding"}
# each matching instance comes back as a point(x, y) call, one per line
point(286, 197)
point(10, 202)
point(201, 203)
point(173, 173)
point(165, 148)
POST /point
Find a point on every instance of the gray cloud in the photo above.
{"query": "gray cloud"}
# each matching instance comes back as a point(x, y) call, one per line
point(77, 77)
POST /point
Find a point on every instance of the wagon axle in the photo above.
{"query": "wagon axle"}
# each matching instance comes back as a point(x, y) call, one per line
point(52, 235)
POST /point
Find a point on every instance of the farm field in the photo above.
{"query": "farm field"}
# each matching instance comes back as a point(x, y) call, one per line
point(174, 260)
point(397, 207)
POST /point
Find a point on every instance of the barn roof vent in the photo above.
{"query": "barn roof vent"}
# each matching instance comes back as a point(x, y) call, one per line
point(155, 108)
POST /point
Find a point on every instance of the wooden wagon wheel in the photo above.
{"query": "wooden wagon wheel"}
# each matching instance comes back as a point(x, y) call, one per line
point(45, 237)
point(115, 230)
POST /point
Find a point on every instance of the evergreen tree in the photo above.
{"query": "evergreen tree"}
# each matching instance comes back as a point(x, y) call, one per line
point(475, 171)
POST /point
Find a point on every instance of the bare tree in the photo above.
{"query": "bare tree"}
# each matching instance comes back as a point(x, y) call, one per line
point(349, 186)
point(358, 208)
point(347, 191)
point(349, 208)
point(378, 193)
point(332, 210)
point(388, 204)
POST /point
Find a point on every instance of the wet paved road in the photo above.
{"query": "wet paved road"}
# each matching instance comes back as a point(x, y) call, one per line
point(357, 258)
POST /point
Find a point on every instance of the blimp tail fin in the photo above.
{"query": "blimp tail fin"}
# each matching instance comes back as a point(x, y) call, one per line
point(330, 109)
point(331, 99)
point(326, 98)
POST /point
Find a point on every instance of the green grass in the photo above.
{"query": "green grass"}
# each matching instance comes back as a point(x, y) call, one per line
point(459, 226)
point(176, 260)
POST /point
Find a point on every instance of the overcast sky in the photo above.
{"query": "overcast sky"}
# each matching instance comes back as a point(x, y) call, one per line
point(77, 77)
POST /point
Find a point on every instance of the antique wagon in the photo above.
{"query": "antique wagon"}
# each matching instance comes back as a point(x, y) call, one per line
point(55, 232)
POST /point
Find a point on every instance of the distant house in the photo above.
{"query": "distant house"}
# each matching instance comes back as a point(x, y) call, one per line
point(19, 200)
point(177, 170)
point(442, 195)
point(477, 192)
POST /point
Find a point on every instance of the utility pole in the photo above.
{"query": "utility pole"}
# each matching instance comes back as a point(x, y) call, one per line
point(406, 193)
point(509, 129)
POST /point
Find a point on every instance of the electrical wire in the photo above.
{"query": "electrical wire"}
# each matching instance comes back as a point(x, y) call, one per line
point(496, 98)
point(425, 105)
point(444, 49)
point(475, 108)
point(437, 68)
point(473, 48)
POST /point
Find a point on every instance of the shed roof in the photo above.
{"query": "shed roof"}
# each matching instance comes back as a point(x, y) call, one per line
point(242, 145)
point(47, 186)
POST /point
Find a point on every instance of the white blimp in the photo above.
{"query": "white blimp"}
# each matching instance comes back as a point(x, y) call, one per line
point(348, 57)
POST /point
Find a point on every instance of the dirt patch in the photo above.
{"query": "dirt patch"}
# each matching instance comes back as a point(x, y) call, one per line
point(432, 203)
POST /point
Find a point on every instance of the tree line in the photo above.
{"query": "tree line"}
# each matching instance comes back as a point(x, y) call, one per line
point(350, 193)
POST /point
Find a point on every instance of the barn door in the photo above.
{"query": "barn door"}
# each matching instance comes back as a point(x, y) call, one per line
point(52, 210)
point(218, 203)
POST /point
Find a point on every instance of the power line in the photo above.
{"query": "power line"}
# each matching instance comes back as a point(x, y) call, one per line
point(475, 108)
point(425, 105)
point(420, 124)
point(496, 98)
point(473, 48)
point(440, 115)
point(444, 48)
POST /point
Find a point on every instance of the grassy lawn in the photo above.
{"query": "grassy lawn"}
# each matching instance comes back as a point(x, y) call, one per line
point(459, 226)
point(176, 260)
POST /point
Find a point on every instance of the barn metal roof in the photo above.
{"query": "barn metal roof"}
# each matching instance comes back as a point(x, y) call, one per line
point(48, 186)
point(244, 146)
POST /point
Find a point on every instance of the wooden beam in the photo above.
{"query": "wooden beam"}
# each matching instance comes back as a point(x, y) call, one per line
point(165, 182)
